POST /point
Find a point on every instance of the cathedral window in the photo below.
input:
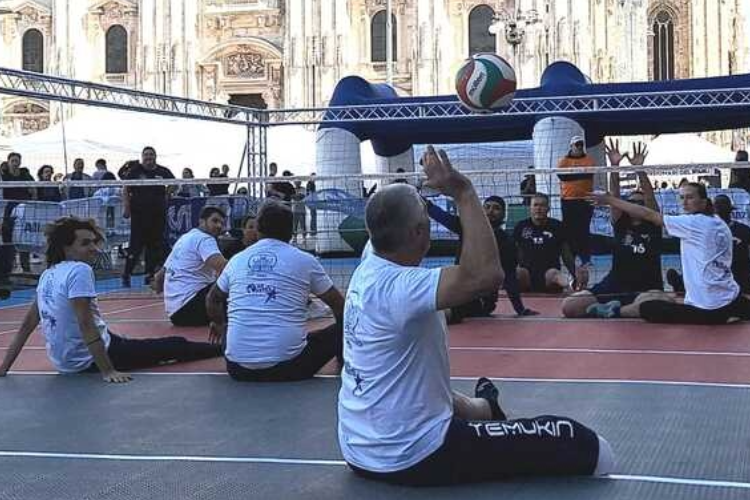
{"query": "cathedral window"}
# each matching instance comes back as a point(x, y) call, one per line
point(378, 37)
point(480, 38)
point(664, 53)
point(33, 51)
point(117, 49)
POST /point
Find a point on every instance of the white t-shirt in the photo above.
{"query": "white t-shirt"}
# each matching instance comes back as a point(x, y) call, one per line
point(185, 271)
point(269, 285)
point(57, 285)
point(395, 402)
point(706, 254)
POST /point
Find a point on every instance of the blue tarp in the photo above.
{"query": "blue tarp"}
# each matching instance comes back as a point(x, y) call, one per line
point(393, 137)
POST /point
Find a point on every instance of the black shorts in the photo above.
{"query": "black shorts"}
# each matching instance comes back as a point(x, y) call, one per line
point(489, 451)
point(538, 279)
point(608, 289)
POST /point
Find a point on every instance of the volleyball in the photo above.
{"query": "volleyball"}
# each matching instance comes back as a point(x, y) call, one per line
point(486, 82)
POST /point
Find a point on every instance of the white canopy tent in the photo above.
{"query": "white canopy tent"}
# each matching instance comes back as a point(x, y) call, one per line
point(685, 149)
point(119, 136)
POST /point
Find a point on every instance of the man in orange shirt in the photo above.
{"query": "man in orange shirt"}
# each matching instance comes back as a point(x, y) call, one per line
point(576, 210)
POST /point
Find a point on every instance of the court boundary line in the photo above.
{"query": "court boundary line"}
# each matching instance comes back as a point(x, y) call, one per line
point(117, 311)
point(556, 350)
point(677, 383)
point(587, 350)
point(710, 483)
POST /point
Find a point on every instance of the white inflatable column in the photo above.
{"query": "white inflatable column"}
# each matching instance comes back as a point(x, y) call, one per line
point(337, 153)
point(551, 142)
point(389, 164)
point(600, 158)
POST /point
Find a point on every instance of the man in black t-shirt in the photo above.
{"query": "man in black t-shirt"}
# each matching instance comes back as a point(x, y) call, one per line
point(636, 255)
point(13, 196)
point(541, 244)
point(146, 206)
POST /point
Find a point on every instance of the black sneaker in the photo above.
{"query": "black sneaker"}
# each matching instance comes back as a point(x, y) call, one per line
point(126, 281)
point(485, 389)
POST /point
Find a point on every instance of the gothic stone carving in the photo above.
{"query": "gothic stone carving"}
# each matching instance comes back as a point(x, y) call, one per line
point(244, 63)
point(31, 17)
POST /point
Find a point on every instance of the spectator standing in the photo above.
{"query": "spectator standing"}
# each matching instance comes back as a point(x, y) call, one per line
point(77, 192)
point(217, 189)
point(528, 187)
point(101, 169)
point(53, 193)
point(299, 211)
point(146, 206)
point(14, 196)
point(740, 177)
point(311, 188)
point(190, 190)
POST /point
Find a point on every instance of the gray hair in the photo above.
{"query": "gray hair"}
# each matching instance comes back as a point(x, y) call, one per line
point(390, 214)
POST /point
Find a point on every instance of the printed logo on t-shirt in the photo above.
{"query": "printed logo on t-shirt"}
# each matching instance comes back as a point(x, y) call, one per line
point(262, 290)
point(263, 262)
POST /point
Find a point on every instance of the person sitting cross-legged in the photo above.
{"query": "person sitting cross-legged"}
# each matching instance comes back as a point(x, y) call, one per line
point(259, 303)
point(399, 420)
point(712, 296)
point(76, 335)
point(494, 209)
point(636, 254)
point(191, 268)
point(542, 243)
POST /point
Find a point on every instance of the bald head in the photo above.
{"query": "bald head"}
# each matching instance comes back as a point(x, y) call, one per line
point(392, 215)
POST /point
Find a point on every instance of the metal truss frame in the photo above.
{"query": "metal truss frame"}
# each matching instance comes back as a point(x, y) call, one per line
point(563, 105)
point(52, 88)
point(45, 87)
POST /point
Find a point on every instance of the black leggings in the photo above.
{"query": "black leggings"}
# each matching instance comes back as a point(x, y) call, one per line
point(576, 223)
point(193, 313)
point(659, 311)
point(322, 346)
point(490, 451)
point(133, 354)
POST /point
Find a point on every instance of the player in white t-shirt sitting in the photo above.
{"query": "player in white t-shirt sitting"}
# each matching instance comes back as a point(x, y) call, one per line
point(399, 420)
point(712, 296)
point(267, 287)
point(77, 338)
point(191, 268)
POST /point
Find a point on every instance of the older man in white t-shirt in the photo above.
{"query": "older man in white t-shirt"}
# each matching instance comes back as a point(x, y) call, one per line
point(267, 287)
point(399, 420)
point(77, 338)
point(191, 269)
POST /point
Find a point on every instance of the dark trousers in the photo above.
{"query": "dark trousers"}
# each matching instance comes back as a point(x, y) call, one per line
point(313, 221)
point(576, 223)
point(322, 346)
point(659, 311)
point(133, 354)
point(146, 233)
point(490, 451)
point(478, 308)
point(193, 313)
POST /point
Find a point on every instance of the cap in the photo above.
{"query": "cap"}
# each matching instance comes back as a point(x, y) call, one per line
point(575, 139)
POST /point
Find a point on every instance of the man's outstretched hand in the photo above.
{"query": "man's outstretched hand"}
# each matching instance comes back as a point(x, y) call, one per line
point(441, 176)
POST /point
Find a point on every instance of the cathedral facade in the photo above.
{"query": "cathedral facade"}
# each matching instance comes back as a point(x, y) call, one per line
point(291, 53)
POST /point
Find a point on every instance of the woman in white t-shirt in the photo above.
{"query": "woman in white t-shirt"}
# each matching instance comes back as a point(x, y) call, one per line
point(712, 297)
point(76, 335)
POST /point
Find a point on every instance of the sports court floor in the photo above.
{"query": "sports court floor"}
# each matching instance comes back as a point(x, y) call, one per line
point(673, 401)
